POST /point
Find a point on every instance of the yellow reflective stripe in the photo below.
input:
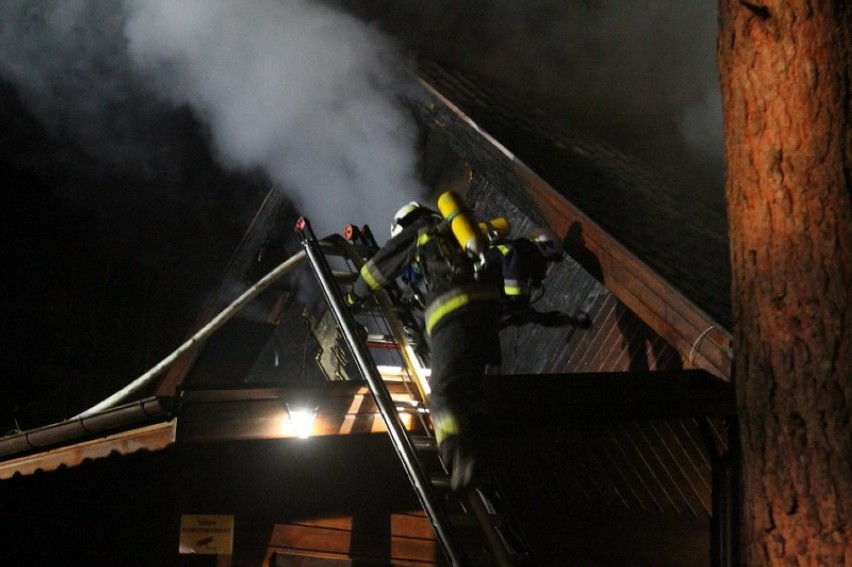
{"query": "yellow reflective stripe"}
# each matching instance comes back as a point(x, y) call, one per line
point(514, 287)
point(445, 425)
point(512, 290)
point(441, 308)
point(372, 280)
point(423, 238)
point(511, 287)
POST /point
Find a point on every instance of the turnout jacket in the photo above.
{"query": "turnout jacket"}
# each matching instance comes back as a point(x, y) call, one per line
point(517, 267)
point(430, 251)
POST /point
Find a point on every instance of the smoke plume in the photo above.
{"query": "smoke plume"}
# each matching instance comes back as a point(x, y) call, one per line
point(307, 93)
point(304, 93)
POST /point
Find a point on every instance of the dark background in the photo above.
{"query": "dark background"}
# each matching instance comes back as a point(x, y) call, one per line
point(100, 283)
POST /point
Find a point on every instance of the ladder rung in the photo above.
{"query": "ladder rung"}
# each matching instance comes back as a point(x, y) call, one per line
point(440, 481)
point(381, 341)
point(464, 521)
point(469, 519)
point(345, 277)
point(330, 250)
point(424, 443)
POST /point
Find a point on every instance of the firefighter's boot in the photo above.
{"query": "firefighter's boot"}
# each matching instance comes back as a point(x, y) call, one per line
point(460, 461)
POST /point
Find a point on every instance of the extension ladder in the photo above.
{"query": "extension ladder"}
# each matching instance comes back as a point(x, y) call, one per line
point(473, 527)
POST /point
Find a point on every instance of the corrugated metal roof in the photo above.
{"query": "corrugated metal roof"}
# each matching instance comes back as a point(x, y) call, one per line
point(148, 438)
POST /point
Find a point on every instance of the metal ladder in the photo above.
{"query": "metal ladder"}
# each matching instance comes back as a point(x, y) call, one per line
point(473, 528)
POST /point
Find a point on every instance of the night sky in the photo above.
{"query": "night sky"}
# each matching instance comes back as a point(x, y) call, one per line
point(134, 152)
point(101, 284)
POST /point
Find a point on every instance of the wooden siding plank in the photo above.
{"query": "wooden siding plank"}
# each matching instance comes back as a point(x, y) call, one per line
point(411, 540)
point(560, 400)
point(308, 539)
point(636, 480)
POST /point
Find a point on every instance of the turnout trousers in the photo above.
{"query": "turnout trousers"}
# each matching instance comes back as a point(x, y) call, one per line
point(461, 347)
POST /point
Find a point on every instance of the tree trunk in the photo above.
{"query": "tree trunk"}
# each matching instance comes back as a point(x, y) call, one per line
point(786, 71)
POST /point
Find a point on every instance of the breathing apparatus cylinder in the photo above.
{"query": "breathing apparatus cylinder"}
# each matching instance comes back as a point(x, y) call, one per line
point(495, 228)
point(460, 220)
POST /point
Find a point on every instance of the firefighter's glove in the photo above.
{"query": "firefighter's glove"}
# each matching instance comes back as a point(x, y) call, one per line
point(551, 319)
point(353, 302)
point(581, 319)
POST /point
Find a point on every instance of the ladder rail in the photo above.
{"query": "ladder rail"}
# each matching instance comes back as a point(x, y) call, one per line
point(400, 440)
point(488, 531)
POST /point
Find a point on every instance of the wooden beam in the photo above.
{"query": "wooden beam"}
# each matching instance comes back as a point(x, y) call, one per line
point(342, 408)
point(553, 400)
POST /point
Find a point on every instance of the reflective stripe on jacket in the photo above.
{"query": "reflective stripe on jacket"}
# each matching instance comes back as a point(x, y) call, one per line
point(520, 266)
point(512, 286)
point(372, 276)
point(449, 303)
point(445, 424)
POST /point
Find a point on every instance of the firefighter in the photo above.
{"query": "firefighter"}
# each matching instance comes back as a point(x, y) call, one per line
point(460, 319)
point(519, 267)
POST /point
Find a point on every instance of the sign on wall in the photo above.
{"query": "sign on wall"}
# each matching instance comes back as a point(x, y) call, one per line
point(206, 534)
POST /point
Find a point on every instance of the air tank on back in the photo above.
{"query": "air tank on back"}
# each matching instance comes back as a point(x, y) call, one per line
point(461, 222)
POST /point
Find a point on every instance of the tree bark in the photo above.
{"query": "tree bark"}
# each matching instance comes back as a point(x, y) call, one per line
point(786, 70)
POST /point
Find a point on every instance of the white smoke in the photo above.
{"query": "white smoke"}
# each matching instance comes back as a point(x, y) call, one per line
point(304, 92)
point(307, 94)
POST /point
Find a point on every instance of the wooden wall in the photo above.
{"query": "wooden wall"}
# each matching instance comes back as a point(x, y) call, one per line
point(334, 497)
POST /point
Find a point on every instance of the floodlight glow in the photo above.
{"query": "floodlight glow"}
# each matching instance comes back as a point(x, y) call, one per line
point(302, 420)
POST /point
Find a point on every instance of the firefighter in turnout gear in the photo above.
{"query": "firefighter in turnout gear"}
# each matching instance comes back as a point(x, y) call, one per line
point(460, 319)
point(518, 267)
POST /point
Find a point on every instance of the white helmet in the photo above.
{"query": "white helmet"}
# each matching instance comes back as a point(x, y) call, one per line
point(399, 218)
point(548, 243)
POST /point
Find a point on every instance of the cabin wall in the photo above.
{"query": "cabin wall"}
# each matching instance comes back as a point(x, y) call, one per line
point(341, 498)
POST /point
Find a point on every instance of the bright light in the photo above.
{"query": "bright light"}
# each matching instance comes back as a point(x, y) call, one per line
point(302, 420)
